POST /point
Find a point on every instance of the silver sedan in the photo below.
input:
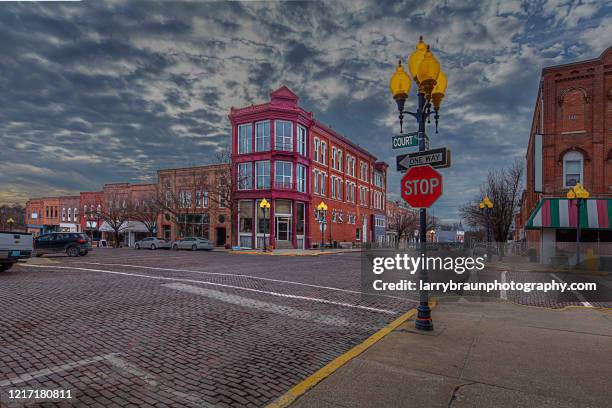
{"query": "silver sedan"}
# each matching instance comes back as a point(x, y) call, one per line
point(152, 243)
point(193, 243)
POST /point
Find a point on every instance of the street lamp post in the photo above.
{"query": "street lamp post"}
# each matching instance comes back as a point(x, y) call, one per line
point(486, 205)
point(426, 73)
point(264, 205)
point(321, 217)
point(578, 193)
point(10, 223)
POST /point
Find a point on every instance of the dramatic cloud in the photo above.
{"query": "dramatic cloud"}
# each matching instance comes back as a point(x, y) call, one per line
point(98, 92)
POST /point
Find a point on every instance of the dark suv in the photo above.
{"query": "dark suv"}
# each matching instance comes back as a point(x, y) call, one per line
point(72, 243)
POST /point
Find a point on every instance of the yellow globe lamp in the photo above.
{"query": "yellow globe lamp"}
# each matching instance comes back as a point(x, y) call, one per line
point(400, 83)
point(414, 61)
point(439, 91)
point(264, 204)
point(429, 69)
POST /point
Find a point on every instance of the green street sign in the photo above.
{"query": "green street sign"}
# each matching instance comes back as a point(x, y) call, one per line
point(405, 140)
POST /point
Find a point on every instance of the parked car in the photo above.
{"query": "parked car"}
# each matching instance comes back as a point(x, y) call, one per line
point(72, 243)
point(14, 246)
point(193, 243)
point(152, 243)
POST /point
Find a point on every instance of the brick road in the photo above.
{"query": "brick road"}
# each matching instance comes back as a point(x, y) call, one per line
point(164, 328)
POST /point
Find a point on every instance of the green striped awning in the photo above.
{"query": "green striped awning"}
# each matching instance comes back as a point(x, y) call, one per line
point(595, 213)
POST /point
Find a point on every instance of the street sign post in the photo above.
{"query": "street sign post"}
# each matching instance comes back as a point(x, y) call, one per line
point(421, 186)
point(437, 158)
point(406, 140)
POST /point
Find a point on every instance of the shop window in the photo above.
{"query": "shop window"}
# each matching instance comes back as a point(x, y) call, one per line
point(245, 214)
point(301, 213)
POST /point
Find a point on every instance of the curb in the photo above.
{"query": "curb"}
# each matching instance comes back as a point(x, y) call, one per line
point(301, 388)
point(288, 254)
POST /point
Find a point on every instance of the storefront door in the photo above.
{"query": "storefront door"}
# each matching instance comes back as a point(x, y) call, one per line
point(283, 232)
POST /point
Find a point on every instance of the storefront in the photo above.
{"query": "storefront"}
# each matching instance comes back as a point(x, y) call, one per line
point(283, 225)
point(557, 221)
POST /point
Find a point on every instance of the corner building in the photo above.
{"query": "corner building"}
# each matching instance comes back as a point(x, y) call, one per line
point(281, 153)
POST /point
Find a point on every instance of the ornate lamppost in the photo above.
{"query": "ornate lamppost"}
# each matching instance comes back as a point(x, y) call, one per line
point(578, 193)
point(264, 205)
point(486, 205)
point(431, 81)
point(321, 218)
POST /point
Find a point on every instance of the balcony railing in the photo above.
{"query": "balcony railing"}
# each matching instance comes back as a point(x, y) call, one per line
point(283, 146)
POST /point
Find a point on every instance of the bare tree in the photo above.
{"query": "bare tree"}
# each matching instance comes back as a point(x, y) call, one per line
point(404, 221)
point(503, 187)
point(224, 185)
point(116, 213)
point(147, 211)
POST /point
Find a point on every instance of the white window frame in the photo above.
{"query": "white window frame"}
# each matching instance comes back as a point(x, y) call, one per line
point(323, 152)
point(301, 140)
point(301, 178)
point(265, 139)
point(249, 176)
point(317, 148)
point(283, 142)
point(285, 180)
point(263, 186)
point(572, 156)
point(245, 148)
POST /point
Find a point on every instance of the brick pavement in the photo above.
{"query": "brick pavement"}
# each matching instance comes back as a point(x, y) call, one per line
point(135, 340)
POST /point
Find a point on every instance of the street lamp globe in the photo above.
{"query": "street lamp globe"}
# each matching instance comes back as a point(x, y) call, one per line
point(414, 61)
point(439, 90)
point(400, 83)
point(429, 69)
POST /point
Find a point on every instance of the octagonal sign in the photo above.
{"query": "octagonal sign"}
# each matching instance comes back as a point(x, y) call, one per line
point(421, 186)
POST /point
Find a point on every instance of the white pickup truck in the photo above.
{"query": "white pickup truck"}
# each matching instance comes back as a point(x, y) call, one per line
point(14, 246)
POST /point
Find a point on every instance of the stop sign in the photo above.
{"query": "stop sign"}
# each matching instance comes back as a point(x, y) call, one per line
point(421, 186)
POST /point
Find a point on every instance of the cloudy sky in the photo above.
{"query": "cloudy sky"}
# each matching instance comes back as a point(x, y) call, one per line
point(109, 91)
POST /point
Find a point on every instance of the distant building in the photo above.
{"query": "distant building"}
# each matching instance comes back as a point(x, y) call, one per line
point(570, 142)
point(280, 152)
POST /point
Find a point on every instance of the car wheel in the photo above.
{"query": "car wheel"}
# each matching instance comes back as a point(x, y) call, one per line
point(83, 253)
point(137, 246)
point(194, 247)
point(175, 247)
point(5, 267)
point(72, 251)
point(153, 246)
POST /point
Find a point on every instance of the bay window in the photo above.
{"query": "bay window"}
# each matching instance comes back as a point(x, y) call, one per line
point(262, 136)
point(301, 140)
point(262, 174)
point(283, 135)
point(283, 174)
point(301, 178)
point(245, 178)
point(245, 138)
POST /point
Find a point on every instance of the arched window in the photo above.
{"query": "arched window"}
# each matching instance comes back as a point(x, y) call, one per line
point(573, 163)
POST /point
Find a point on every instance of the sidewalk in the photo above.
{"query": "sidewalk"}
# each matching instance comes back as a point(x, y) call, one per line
point(480, 355)
point(295, 252)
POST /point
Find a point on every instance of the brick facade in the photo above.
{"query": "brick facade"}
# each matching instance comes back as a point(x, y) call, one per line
point(281, 153)
point(573, 113)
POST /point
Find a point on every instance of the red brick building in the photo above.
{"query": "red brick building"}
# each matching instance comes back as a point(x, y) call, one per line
point(570, 142)
point(195, 203)
point(281, 153)
point(90, 203)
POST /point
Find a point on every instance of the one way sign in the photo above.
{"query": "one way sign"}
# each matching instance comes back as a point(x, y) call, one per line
point(437, 158)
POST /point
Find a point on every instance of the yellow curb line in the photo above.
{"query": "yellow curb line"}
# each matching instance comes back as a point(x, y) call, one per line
point(299, 389)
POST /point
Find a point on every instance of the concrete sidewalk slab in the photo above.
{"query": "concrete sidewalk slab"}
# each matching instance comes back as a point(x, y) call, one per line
point(486, 354)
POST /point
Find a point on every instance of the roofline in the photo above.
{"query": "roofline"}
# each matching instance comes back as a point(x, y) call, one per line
point(206, 166)
point(344, 139)
point(569, 64)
